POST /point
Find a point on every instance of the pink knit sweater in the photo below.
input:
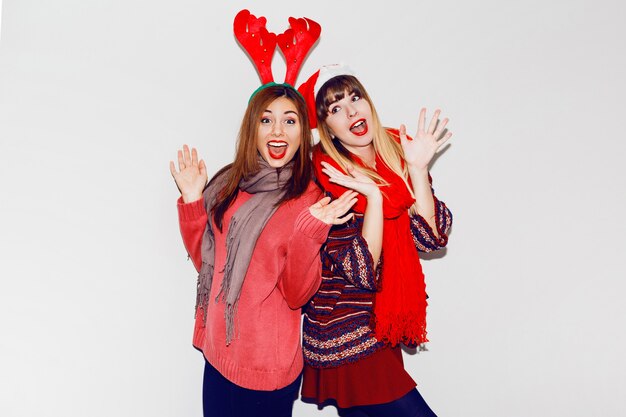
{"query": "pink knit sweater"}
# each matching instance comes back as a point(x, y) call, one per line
point(284, 272)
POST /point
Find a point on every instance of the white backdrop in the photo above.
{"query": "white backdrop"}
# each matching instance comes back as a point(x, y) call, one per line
point(526, 311)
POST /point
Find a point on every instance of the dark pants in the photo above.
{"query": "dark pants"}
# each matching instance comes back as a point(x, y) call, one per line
point(411, 405)
point(222, 398)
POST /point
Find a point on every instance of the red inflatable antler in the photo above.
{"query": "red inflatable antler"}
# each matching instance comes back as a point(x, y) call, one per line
point(296, 42)
point(257, 41)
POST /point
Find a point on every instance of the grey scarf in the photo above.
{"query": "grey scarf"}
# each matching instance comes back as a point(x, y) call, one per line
point(267, 187)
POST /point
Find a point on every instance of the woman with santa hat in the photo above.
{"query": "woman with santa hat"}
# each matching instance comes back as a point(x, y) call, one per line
point(372, 297)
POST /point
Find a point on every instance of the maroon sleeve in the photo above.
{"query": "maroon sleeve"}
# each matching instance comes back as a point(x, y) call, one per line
point(346, 254)
point(423, 236)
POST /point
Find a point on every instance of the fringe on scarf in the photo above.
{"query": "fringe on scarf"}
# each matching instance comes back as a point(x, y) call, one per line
point(229, 315)
point(202, 300)
point(233, 246)
point(203, 290)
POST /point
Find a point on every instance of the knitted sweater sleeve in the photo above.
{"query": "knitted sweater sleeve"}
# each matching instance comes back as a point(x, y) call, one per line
point(423, 236)
point(348, 255)
point(302, 275)
point(192, 218)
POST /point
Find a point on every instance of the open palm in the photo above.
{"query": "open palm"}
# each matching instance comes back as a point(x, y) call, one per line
point(191, 176)
point(334, 212)
point(355, 179)
point(419, 151)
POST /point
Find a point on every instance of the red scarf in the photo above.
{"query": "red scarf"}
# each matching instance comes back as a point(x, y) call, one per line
point(400, 305)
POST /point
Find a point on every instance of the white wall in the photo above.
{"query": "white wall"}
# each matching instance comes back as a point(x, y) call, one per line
point(96, 295)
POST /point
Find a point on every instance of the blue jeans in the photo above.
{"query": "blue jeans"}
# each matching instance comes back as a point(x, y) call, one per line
point(222, 398)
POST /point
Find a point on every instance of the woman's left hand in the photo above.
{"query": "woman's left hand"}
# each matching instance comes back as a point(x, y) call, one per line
point(334, 212)
point(419, 151)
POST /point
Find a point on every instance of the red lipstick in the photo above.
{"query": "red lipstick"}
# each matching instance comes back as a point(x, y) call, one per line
point(359, 128)
point(277, 149)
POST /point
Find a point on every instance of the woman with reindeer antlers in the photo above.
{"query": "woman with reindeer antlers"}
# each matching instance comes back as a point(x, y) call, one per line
point(254, 234)
point(369, 304)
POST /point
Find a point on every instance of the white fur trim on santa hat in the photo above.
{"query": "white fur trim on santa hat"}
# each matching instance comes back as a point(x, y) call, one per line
point(330, 71)
point(315, 134)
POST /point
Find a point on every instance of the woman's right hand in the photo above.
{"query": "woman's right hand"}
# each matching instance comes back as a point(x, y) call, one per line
point(355, 180)
point(191, 176)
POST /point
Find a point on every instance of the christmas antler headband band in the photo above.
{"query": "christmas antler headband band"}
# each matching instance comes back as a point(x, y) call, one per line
point(260, 44)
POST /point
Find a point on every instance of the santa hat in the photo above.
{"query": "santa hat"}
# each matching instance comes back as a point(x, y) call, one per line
point(311, 87)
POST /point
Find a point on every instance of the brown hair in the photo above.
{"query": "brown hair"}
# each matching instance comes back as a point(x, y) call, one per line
point(384, 143)
point(246, 156)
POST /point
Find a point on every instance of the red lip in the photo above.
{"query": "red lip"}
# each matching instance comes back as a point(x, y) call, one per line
point(272, 150)
point(365, 130)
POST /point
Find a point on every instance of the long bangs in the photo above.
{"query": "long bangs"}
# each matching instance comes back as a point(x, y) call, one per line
point(334, 90)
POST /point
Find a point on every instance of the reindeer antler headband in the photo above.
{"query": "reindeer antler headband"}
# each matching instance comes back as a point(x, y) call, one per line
point(295, 44)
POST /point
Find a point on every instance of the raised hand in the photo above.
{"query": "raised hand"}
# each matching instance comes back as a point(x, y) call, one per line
point(334, 212)
point(355, 180)
point(191, 176)
point(419, 151)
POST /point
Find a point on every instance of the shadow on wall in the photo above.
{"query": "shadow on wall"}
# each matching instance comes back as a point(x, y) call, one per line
point(438, 254)
point(413, 351)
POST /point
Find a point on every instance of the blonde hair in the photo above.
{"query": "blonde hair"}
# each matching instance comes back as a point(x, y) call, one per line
point(385, 145)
